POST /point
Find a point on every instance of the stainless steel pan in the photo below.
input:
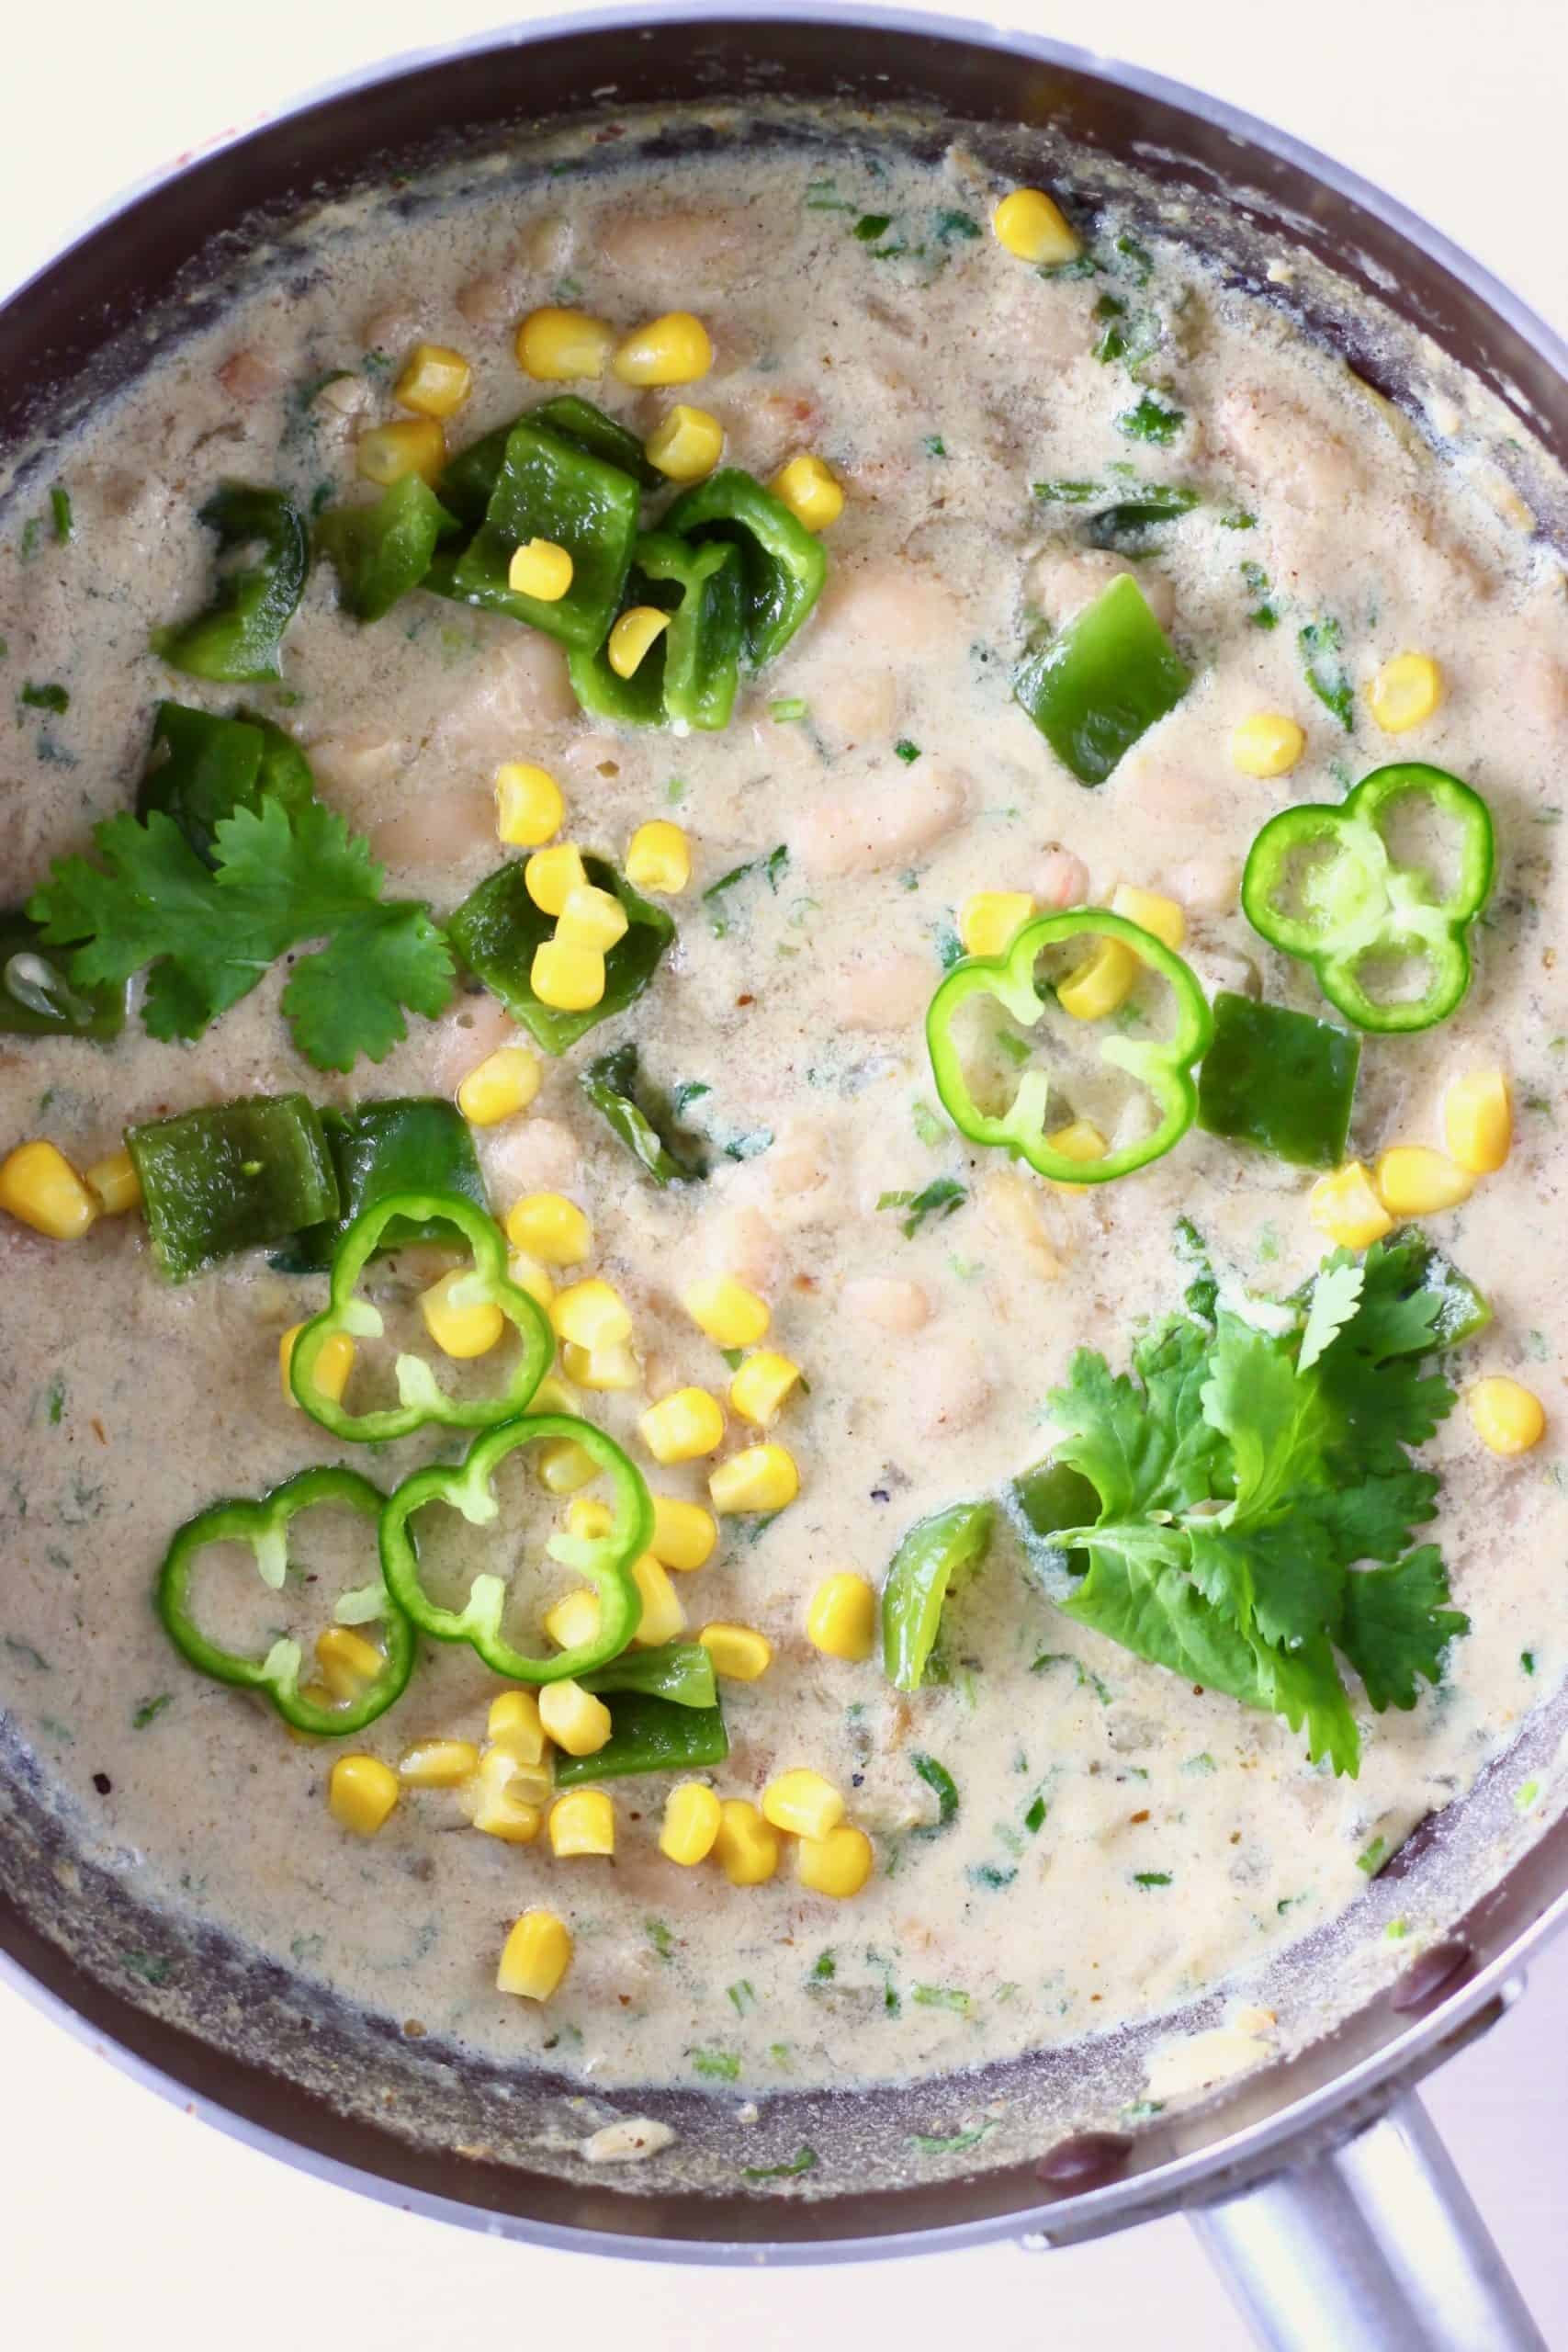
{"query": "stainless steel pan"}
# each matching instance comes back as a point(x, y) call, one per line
point(1318, 2182)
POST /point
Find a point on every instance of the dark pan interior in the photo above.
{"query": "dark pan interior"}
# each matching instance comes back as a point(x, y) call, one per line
point(428, 2122)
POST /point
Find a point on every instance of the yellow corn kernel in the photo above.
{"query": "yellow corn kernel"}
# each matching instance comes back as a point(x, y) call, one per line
point(1415, 1181)
point(460, 1328)
point(1032, 226)
point(1268, 743)
point(592, 1314)
point(1508, 1418)
point(591, 918)
point(838, 1864)
point(535, 1957)
point(759, 1477)
point(658, 858)
point(574, 1718)
point(39, 1185)
point(663, 1616)
point(1081, 1139)
point(582, 1822)
point(553, 1396)
point(589, 1521)
point(684, 1426)
point(528, 804)
point(549, 1227)
point(559, 346)
point(811, 491)
point(639, 629)
point(730, 1315)
point(529, 1275)
point(840, 1621)
point(573, 1621)
point(115, 1184)
point(607, 1370)
point(347, 1661)
point(692, 1814)
point(507, 1799)
point(435, 381)
point(361, 1793)
point(567, 978)
point(987, 919)
point(334, 1365)
point(684, 1534)
point(747, 1847)
point(1346, 1209)
point(1404, 692)
point(673, 349)
point(414, 445)
point(438, 1763)
point(802, 1802)
point(503, 1084)
point(738, 1652)
point(513, 1726)
point(687, 445)
point(760, 1387)
point(552, 875)
point(1101, 982)
point(541, 570)
point(561, 1466)
point(1151, 912)
point(1478, 1122)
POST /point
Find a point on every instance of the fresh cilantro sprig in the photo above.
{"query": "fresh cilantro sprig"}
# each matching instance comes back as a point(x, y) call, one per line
point(1247, 1474)
point(282, 878)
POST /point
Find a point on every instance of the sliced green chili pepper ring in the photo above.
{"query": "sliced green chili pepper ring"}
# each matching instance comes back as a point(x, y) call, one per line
point(933, 1552)
point(605, 1560)
point(1359, 904)
point(264, 1526)
point(424, 1400)
point(1164, 1066)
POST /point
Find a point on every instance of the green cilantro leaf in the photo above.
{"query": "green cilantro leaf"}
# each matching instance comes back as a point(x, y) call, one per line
point(1335, 1294)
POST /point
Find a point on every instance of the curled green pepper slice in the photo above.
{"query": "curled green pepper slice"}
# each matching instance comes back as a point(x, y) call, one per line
point(691, 675)
point(264, 1525)
point(239, 635)
point(422, 1398)
point(605, 1560)
point(782, 566)
point(1164, 1066)
point(1323, 884)
point(379, 552)
point(934, 1551)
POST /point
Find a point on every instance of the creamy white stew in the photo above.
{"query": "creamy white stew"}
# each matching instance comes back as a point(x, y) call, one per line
point(1044, 1833)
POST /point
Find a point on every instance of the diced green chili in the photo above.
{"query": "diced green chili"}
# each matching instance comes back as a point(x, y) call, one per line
point(1278, 1079)
point(548, 490)
point(233, 1177)
point(782, 566)
point(417, 1143)
point(649, 1735)
point(238, 637)
point(466, 485)
point(1098, 686)
point(944, 1787)
point(382, 551)
point(681, 1672)
point(264, 1526)
point(644, 1121)
point(1131, 526)
point(931, 1553)
point(36, 997)
point(498, 927)
point(202, 768)
point(690, 675)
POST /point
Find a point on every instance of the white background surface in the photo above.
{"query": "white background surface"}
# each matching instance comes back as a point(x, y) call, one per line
point(123, 2221)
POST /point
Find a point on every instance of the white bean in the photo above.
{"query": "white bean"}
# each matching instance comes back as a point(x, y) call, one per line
point(355, 769)
point(891, 1305)
point(885, 821)
point(490, 300)
point(750, 1250)
point(246, 375)
point(1206, 885)
point(897, 611)
point(474, 1027)
point(529, 1155)
point(890, 993)
point(1061, 582)
point(436, 829)
point(1061, 879)
point(674, 244)
point(949, 1388)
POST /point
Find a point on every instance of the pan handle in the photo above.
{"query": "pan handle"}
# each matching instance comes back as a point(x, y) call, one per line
point(1372, 2245)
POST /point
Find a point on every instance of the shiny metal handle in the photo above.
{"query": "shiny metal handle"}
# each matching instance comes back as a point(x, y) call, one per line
point(1374, 2247)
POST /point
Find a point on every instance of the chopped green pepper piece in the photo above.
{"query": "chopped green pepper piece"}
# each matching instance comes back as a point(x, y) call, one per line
point(202, 768)
point(782, 566)
point(605, 1560)
point(465, 487)
point(649, 1735)
point(1098, 686)
point(1163, 1066)
point(498, 927)
point(239, 635)
point(1043, 1500)
point(1278, 1079)
point(644, 1124)
point(931, 1553)
point(546, 489)
point(381, 551)
point(36, 997)
point(264, 1525)
point(1321, 882)
point(679, 1671)
point(417, 1143)
point(234, 1177)
point(691, 675)
point(422, 1398)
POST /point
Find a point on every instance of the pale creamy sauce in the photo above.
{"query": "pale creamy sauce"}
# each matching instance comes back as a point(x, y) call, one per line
point(1186, 1840)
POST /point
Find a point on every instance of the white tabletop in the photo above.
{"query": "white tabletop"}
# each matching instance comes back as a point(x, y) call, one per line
point(124, 2221)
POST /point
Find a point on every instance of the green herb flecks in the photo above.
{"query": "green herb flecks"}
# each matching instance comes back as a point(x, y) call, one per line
point(1153, 419)
point(717, 2065)
point(950, 2144)
point(52, 697)
point(938, 1198)
point(944, 1787)
point(149, 1710)
point(906, 751)
point(805, 2159)
point(60, 515)
point(770, 867)
point(1320, 645)
point(660, 1938)
point(943, 1997)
